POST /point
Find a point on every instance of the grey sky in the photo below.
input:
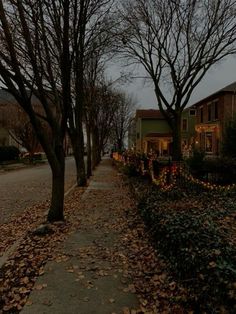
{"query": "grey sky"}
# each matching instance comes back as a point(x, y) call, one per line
point(219, 76)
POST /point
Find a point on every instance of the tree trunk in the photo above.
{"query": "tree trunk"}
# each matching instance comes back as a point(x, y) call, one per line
point(176, 130)
point(89, 152)
point(77, 142)
point(119, 145)
point(58, 179)
point(95, 148)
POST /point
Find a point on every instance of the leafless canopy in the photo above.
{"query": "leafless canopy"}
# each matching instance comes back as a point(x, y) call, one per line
point(125, 109)
point(176, 42)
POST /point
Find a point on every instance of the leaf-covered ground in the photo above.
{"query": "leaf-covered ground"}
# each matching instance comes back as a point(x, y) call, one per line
point(145, 272)
point(26, 263)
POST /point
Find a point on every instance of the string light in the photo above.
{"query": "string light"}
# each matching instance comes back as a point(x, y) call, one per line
point(172, 172)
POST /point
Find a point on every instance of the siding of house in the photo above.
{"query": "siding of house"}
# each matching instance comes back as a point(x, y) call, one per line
point(210, 129)
point(154, 126)
point(4, 137)
point(189, 133)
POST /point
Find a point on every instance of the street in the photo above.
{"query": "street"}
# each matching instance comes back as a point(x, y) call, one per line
point(25, 187)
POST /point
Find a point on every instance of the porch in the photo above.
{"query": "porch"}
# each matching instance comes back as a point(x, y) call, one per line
point(158, 143)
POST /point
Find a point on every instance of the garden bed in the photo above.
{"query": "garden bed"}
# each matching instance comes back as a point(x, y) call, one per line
point(196, 235)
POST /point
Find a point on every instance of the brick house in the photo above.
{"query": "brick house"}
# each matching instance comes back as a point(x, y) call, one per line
point(213, 112)
point(10, 112)
point(151, 132)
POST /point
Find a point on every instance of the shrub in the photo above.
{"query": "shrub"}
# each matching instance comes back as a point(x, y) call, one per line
point(222, 169)
point(195, 162)
point(194, 245)
point(229, 139)
point(8, 153)
point(130, 170)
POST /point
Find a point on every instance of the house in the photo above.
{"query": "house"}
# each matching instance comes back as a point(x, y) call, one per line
point(13, 119)
point(14, 124)
point(153, 133)
point(212, 114)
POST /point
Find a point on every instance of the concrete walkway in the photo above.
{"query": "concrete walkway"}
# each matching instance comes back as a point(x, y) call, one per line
point(90, 273)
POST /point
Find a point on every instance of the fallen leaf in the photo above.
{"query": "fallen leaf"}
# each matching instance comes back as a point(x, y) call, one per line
point(126, 310)
point(40, 286)
point(29, 302)
point(47, 302)
point(86, 299)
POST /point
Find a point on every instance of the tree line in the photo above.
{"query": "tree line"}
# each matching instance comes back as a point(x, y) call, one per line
point(55, 51)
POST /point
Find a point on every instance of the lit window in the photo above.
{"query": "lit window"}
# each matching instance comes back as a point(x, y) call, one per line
point(208, 142)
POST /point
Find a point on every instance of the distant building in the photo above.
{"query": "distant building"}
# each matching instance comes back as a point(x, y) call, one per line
point(11, 112)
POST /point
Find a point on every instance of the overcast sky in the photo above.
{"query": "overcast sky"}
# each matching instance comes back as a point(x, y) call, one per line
point(219, 76)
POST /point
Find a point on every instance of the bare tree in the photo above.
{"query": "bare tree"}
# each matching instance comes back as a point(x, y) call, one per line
point(91, 30)
point(176, 42)
point(94, 72)
point(101, 118)
point(31, 65)
point(94, 80)
point(121, 121)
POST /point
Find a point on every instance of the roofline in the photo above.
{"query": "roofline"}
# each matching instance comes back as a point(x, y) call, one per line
point(212, 96)
point(217, 93)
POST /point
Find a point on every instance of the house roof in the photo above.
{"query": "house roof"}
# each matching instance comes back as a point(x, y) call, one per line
point(231, 88)
point(149, 114)
point(7, 98)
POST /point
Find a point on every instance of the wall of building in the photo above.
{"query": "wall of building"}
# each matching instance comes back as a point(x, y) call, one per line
point(189, 133)
point(4, 137)
point(154, 126)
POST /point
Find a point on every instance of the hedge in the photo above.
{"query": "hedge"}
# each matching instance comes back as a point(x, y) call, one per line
point(8, 153)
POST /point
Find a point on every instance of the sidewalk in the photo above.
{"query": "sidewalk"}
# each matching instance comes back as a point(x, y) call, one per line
point(91, 275)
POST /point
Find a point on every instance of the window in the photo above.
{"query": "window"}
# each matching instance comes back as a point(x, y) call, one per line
point(215, 115)
point(201, 114)
point(192, 112)
point(208, 142)
point(209, 112)
point(184, 125)
point(202, 140)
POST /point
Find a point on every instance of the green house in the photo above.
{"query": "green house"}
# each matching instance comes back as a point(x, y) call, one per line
point(153, 134)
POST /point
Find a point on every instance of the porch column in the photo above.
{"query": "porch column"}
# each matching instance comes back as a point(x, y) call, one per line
point(160, 148)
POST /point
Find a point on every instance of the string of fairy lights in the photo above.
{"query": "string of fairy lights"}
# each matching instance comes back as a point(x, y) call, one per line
point(168, 176)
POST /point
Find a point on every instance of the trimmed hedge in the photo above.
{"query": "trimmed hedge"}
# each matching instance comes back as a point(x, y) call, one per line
point(194, 244)
point(221, 170)
point(8, 153)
